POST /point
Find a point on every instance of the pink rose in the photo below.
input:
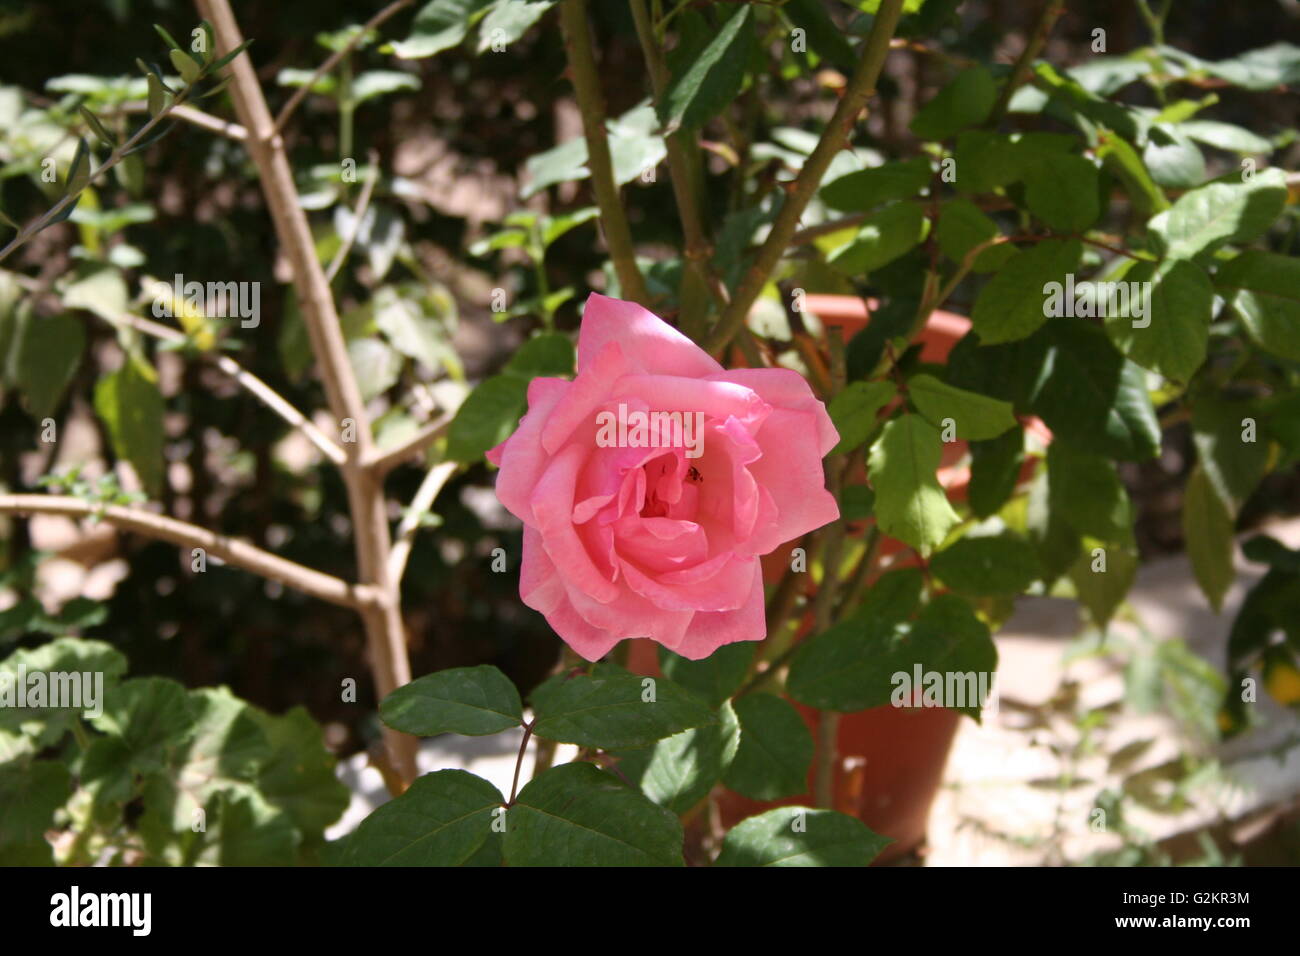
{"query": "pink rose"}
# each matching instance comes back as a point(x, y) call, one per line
point(630, 532)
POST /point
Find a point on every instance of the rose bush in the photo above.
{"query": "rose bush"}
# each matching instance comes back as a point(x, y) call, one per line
point(628, 542)
point(299, 494)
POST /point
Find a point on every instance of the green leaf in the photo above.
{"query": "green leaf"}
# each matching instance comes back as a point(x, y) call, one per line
point(614, 710)
point(298, 777)
point(679, 771)
point(716, 677)
point(131, 407)
point(30, 729)
point(1102, 592)
point(409, 330)
point(93, 122)
point(910, 504)
point(894, 596)
point(1062, 192)
point(873, 6)
point(229, 56)
point(557, 226)
point(824, 36)
point(976, 417)
point(862, 662)
point(1173, 340)
point(714, 77)
point(1104, 75)
point(1263, 549)
point(868, 188)
point(221, 752)
point(575, 815)
point(985, 161)
point(1055, 541)
point(1206, 218)
point(1260, 70)
point(440, 821)
point(551, 354)
point(374, 83)
point(1013, 303)
point(1272, 605)
point(157, 101)
point(245, 830)
point(857, 503)
point(962, 227)
point(1207, 530)
point(966, 101)
point(167, 37)
point(634, 145)
point(440, 25)
point(487, 417)
point(45, 356)
point(29, 796)
point(79, 171)
point(185, 65)
point(1122, 161)
point(474, 701)
point(152, 717)
point(1173, 159)
point(880, 240)
point(1086, 110)
point(99, 290)
point(853, 412)
point(1263, 288)
point(508, 20)
point(1085, 490)
point(1226, 136)
point(775, 751)
point(799, 836)
point(995, 471)
point(1088, 394)
point(987, 566)
point(1233, 465)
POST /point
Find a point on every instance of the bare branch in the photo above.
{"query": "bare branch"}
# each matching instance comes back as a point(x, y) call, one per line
point(268, 396)
point(860, 87)
point(384, 461)
point(433, 483)
point(231, 550)
point(1052, 9)
point(385, 631)
point(591, 104)
point(195, 117)
point(363, 203)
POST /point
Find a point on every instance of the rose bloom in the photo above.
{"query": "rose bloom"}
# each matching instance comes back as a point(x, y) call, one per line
point(626, 542)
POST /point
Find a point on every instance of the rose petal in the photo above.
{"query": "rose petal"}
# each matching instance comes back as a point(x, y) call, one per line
point(521, 457)
point(552, 507)
point(542, 590)
point(710, 630)
point(791, 472)
point(647, 340)
point(786, 388)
